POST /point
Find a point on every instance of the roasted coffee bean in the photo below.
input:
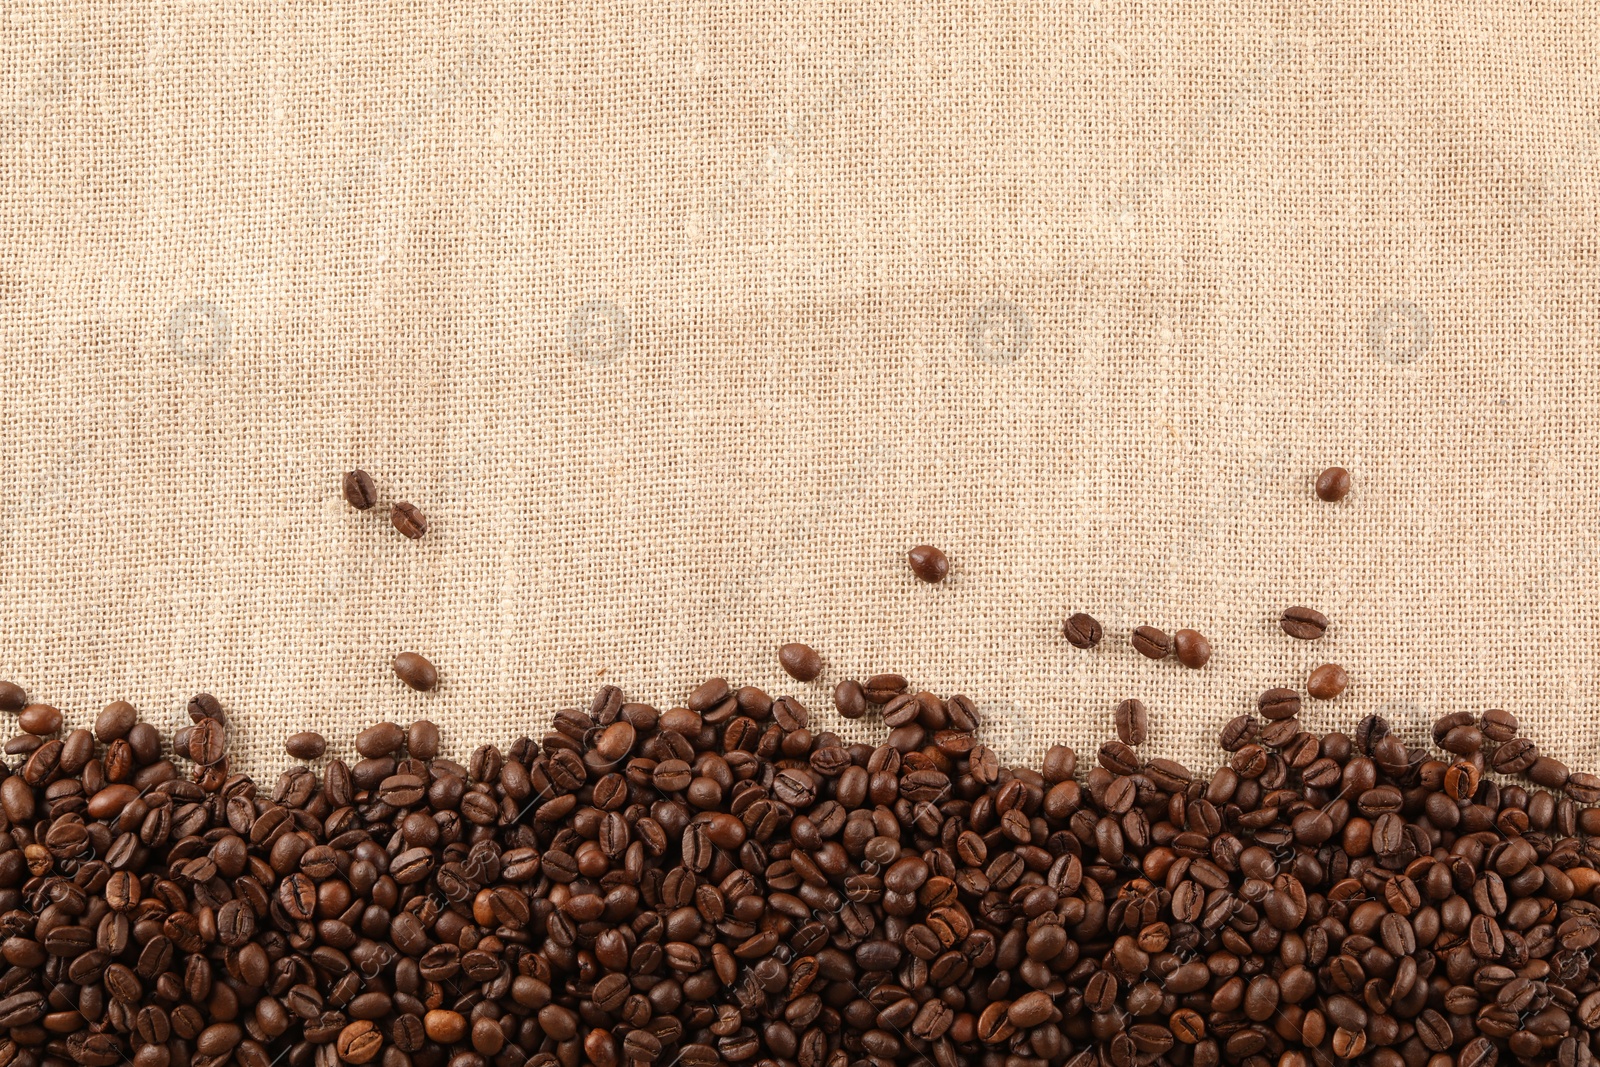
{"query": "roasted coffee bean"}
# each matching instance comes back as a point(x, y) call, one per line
point(850, 699)
point(1333, 484)
point(414, 670)
point(1192, 649)
point(800, 662)
point(41, 720)
point(1327, 681)
point(928, 563)
point(408, 519)
point(306, 745)
point(1302, 623)
point(359, 492)
point(1133, 722)
point(1151, 642)
point(715, 881)
point(1082, 631)
point(207, 743)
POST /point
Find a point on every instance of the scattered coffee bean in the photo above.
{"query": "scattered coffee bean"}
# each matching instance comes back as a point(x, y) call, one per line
point(1133, 722)
point(1082, 631)
point(359, 491)
point(928, 563)
point(416, 672)
point(1304, 624)
point(801, 662)
point(1151, 642)
point(306, 745)
point(1333, 484)
point(1192, 649)
point(1327, 681)
point(12, 697)
point(408, 519)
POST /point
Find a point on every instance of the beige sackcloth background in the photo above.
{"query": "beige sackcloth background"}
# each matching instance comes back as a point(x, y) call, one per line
point(682, 322)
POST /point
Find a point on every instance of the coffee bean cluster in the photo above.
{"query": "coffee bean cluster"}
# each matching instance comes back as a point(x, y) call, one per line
point(718, 883)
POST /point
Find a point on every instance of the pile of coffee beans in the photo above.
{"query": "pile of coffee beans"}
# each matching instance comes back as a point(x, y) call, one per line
point(718, 883)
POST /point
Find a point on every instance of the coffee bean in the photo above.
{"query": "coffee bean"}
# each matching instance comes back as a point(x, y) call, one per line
point(1327, 681)
point(1498, 725)
point(12, 697)
point(380, 740)
point(1151, 642)
point(306, 745)
point(850, 699)
point(800, 662)
point(1304, 624)
point(416, 672)
point(928, 563)
point(1082, 631)
point(1333, 484)
point(1133, 722)
point(207, 743)
point(1193, 650)
point(408, 519)
point(1279, 704)
point(41, 720)
point(359, 492)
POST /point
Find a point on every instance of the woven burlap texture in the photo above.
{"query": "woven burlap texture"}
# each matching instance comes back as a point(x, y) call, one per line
point(683, 322)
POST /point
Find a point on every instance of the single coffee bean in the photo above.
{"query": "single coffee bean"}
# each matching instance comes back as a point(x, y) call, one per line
point(800, 662)
point(1151, 642)
point(1192, 649)
point(928, 563)
point(1279, 704)
point(1304, 624)
point(1498, 725)
point(422, 741)
point(850, 699)
point(408, 519)
point(1133, 722)
point(1333, 484)
point(1082, 631)
point(12, 697)
point(1327, 681)
point(114, 721)
point(41, 720)
point(412, 669)
point(207, 743)
point(380, 740)
point(306, 745)
point(359, 492)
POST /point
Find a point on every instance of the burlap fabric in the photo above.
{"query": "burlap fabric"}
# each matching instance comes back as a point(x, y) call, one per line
point(683, 322)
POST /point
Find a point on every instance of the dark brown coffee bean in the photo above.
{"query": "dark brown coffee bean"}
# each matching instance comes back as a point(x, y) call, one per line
point(1498, 725)
point(850, 699)
point(12, 697)
point(1082, 631)
point(928, 563)
point(1327, 681)
point(1304, 624)
point(114, 721)
point(1133, 722)
point(41, 720)
point(800, 662)
point(359, 492)
point(1333, 484)
point(408, 519)
point(416, 672)
point(207, 742)
point(1192, 649)
point(306, 745)
point(1151, 642)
